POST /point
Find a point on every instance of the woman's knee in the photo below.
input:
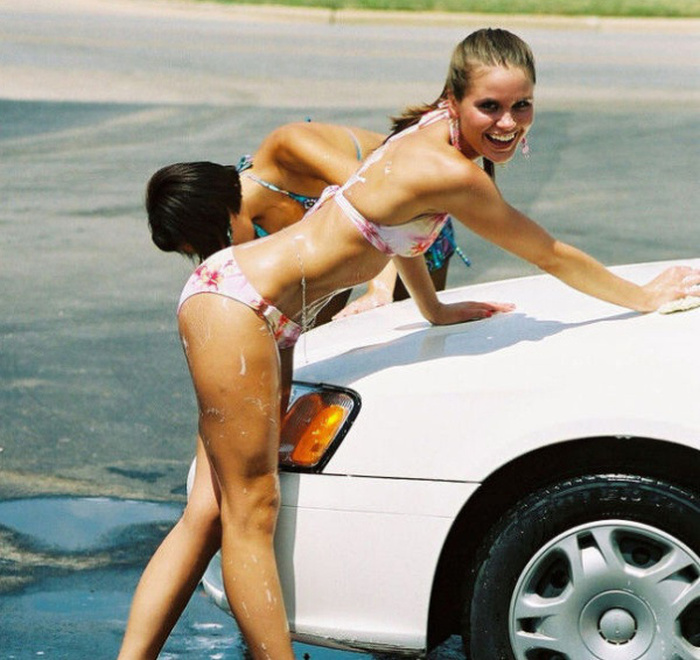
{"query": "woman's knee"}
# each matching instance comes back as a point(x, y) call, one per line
point(202, 516)
point(252, 506)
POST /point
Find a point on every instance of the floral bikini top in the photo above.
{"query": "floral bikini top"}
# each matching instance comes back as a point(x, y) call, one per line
point(411, 238)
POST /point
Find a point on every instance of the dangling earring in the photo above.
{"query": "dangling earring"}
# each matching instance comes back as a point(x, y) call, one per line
point(455, 137)
point(453, 124)
point(525, 147)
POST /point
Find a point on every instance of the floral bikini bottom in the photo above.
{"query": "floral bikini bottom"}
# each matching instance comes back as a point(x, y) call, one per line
point(220, 274)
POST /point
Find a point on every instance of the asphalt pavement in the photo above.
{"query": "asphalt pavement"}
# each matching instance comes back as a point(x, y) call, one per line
point(95, 397)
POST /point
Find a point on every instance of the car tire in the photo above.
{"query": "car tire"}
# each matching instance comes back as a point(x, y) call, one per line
point(603, 567)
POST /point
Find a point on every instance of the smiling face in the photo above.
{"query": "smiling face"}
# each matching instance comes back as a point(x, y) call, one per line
point(495, 113)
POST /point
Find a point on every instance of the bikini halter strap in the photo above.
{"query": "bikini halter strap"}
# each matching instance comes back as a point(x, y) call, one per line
point(443, 112)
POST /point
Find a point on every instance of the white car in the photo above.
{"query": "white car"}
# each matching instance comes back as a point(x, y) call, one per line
point(530, 482)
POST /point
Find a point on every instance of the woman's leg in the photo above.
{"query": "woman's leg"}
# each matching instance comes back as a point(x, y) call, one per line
point(175, 569)
point(235, 369)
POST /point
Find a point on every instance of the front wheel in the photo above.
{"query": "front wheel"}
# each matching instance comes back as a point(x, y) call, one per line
point(596, 568)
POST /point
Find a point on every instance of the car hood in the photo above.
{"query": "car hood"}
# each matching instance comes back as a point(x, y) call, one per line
point(455, 402)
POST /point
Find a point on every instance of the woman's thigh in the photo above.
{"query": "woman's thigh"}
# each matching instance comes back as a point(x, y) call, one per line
point(235, 370)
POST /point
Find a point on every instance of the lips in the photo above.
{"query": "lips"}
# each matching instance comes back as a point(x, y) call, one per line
point(502, 140)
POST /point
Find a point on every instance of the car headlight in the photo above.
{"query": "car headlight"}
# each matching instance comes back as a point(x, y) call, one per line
point(316, 421)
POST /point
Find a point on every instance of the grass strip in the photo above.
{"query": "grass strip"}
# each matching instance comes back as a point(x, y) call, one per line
point(618, 8)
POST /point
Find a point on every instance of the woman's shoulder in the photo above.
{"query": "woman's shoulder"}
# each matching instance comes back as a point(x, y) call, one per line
point(281, 148)
point(435, 162)
point(288, 143)
point(292, 131)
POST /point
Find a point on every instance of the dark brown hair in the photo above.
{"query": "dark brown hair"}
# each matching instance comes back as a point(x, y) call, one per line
point(191, 203)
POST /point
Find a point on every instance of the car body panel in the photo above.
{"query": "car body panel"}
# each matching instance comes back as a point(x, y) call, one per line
point(561, 366)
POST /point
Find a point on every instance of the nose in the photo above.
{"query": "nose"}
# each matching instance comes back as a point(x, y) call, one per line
point(506, 121)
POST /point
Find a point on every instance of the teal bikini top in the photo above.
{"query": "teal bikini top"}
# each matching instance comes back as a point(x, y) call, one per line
point(246, 162)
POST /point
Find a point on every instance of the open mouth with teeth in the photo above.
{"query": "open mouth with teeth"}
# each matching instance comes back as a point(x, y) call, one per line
point(502, 140)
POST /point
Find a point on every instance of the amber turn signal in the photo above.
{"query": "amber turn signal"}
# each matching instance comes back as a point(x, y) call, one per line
point(312, 424)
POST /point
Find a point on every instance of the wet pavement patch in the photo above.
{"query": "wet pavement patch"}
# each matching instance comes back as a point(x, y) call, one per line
point(65, 524)
point(45, 537)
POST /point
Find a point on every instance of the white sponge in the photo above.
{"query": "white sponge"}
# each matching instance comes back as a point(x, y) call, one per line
point(682, 304)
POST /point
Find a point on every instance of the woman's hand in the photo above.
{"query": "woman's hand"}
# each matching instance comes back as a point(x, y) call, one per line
point(380, 292)
point(366, 301)
point(672, 284)
point(461, 312)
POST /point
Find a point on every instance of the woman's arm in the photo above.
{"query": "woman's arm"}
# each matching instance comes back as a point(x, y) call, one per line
point(415, 275)
point(380, 291)
point(480, 207)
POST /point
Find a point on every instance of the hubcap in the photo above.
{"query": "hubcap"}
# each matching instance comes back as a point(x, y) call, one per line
point(612, 590)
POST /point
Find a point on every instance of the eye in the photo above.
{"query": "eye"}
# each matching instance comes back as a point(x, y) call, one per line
point(525, 104)
point(488, 106)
